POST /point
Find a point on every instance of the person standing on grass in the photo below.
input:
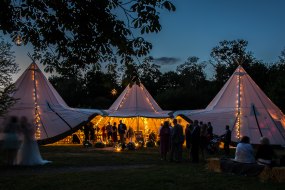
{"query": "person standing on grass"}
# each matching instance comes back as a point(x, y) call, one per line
point(164, 135)
point(104, 133)
point(109, 131)
point(195, 142)
point(210, 131)
point(203, 140)
point(114, 133)
point(227, 140)
point(188, 131)
point(12, 141)
point(177, 139)
point(122, 130)
point(130, 134)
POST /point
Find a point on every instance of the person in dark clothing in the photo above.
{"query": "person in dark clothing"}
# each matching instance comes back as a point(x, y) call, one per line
point(164, 135)
point(109, 131)
point(177, 139)
point(195, 142)
point(188, 134)
point(114, 133)
point(210, 131)
point(227, 140)
point(265, 153)
point(86, 131)
point(122, 130)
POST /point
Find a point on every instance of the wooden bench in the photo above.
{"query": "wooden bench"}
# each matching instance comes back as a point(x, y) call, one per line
point(213, 164)
point(275, 174)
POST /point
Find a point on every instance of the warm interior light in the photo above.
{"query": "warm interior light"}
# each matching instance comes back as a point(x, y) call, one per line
point(18, 40)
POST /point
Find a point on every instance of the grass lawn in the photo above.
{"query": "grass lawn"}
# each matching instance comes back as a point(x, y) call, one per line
point(75, 167)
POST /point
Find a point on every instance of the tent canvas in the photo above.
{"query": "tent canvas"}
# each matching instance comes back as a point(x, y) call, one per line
point(44, 107)
point(243, 106)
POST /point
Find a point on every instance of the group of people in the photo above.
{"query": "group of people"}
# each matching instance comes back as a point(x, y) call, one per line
point(109, 133)
point(263, 156)
point(19, 144)
point(197, 136)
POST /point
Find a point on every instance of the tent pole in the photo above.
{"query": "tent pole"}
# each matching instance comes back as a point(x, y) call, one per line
point(253, 107)
point(138, 122)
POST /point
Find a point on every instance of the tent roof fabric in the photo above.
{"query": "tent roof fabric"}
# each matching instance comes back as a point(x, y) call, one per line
point(243, 106)
point(38, 100)
point(136, 101)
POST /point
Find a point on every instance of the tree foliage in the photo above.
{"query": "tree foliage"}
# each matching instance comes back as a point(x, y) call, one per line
point(7, 68)
point(185, 88)
point(83, 31)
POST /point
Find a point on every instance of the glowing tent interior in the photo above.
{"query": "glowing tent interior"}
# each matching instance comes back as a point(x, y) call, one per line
point(43, 106)
point(136, 108)
point(243, 106)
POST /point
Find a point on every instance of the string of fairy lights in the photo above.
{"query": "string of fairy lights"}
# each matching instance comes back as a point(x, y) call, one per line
point(124, 98)
point(37, 118)
point(238, 123)
point(149, 102)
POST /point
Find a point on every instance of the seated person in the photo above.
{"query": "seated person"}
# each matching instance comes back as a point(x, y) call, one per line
point(244, 151)
point(265, 153)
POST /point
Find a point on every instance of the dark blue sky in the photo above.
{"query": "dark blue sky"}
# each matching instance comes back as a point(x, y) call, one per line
point(199, 25)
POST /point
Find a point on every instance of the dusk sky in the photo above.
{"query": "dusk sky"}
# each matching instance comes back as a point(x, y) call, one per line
point(199, 25)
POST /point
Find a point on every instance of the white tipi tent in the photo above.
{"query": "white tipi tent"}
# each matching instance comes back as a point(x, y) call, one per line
point(43, 106)
point(243, 106)
point(137, 108)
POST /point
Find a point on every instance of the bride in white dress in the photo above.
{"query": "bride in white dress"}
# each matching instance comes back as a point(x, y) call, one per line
point(29, 153)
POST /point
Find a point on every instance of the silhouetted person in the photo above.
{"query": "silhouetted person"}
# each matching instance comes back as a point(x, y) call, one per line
point(109, 131)
point(195, 142)
point(130, 134)
point(188, 137)
point(164, 134)
point(227, 140)
point(12, 141)
point(265, 153)
point(122, 130)
point(210, 131)
point(177, 139)
point(114, 133)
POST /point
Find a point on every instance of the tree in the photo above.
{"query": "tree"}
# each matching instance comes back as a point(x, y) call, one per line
point(83, 31)
point(149, 75)
point(168, 80)
point(227, 56)
point(276, 82)
point(129, 73)
point(7, 68)
point(69, 83)
point(192, 72)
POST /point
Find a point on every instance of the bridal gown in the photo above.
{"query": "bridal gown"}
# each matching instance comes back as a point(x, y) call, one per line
point(29, 153)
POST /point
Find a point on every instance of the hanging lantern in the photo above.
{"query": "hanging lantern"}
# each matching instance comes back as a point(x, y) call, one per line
point(18, 40)
point(114, 92)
